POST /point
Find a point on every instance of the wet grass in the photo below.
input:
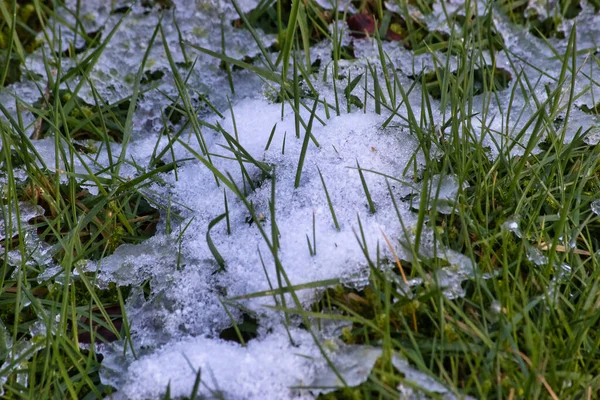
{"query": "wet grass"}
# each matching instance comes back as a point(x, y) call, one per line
point(49, 301)
point(526, 325)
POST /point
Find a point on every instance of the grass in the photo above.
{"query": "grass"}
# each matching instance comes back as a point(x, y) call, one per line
point(527, 324)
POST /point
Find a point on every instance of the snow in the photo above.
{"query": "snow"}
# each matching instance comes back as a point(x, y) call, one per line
point(175, 329)
point(234, 374)
point(264, 369)
point(37, 252)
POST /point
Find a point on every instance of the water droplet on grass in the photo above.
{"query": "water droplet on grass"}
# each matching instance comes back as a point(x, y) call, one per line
point(512, 225)
point(595, 207)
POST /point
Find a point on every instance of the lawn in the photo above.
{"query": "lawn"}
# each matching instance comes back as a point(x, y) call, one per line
point(272, 199)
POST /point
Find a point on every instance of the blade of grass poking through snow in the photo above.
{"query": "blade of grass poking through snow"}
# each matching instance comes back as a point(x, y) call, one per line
point(350, 99)
point(286, 289)
point(128, 342)
point(211, 245)
point(245, 175)
point(207, 164)
point(271, 137)
point(297, 116)
point(423, 201)
point(186, 59)
point(226, 211)
point(366, 91)
point(283, 143)
point(153, 158)
point(233, 324)
point(274, 228)
point(235, 131)
point(227, 68)
point(362, 241)
point(196, 388)
point(264, 167)
point(281, 272)
point(204, 100)
point(366, 189)
point(183, 92)
point(335, 95)
point(329, 203)
point(305, 144)
point(264, 267)
point(306, 75)
point(384, 69)
point(312, 247)
point(305, 32)
point(289, 39)
point(376, 89)
point(326, 106)
point(336, 39)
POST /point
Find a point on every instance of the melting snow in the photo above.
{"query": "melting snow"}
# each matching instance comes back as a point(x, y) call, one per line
point(596, 207)
point(266, 368)
point(175, 329)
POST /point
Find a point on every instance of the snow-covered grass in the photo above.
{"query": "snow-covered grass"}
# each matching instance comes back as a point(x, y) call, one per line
point(242, 200)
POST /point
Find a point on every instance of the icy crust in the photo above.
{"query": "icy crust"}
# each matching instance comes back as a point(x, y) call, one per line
point(9, 224)
point(37, 252)
point(525, 54)
point(185, 293)
point(417, 383)
point(344, 140)
point(230, 371)
point(183, 275)
point(27, 92)
point(114, 73)
point(15, 355)
point(198, 23)
point(534, 58)
point(264, 369)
